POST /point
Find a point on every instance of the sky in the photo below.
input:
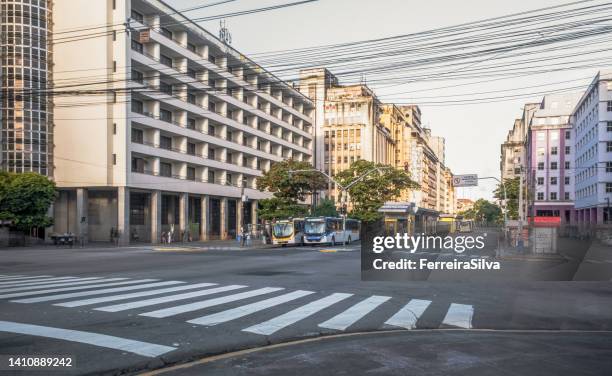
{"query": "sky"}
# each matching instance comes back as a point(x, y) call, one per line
point(473, 132)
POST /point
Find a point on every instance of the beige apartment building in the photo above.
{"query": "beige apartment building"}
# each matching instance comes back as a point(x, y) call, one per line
point(513, 155)
point(175, 135)
point(348, 124)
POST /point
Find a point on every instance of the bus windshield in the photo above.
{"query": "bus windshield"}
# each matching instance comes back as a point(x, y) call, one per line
point(314, 227)
point(282, 230)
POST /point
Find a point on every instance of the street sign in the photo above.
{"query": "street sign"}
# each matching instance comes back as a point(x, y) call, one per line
point(465, 180)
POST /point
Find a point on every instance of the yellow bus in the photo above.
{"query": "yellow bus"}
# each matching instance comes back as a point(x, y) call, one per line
point(288, 231)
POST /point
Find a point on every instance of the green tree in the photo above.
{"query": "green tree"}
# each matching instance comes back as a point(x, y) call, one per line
point(291, 186)
point(25, 199)
point(288, 189)
point(370, 193)
point(326, 208)
point(279, 208)
point(512, 192)
point(483, 210)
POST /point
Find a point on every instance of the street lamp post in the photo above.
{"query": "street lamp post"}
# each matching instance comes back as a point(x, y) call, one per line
point(343, 189)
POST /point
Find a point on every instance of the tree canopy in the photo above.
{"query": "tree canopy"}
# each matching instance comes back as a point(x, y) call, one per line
point(326, 208)
point(483, 210)
point(512, 193)
point(25, 199)
point(288, 189)
point(293, 186)
point(370, 193)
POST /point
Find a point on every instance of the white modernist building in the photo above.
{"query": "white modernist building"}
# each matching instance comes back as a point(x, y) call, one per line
point(174, 126)
point(592, 123)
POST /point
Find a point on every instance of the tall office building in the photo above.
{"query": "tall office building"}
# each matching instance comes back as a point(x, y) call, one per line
point(26, 113)
point(174, 125)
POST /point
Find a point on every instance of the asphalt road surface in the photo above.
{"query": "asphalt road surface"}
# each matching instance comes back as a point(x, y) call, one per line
point(128, 310)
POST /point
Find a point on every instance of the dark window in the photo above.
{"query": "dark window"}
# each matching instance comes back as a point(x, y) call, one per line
point(165, 142)
point(191, 173)
point(568, 135)
point(191, 148)
point(138, 164)
point(540, 165)
point(568, 149)
point(540, 196)
point(165, 88)
point(609, 126)
point(566, 195)
point(540, 181)
point(553, 150)
point(165, 115)
point(191, 123)
point(165, 32)
point(553, 181)
point(567, 165)
point(211, 153)
point(137, 76)
point(165, 169)
point(567, 180)
point(137, 106)
point(137, 135)
point(137, 16)
point(553, 165)
point(165, 60)
point(211, 130)
point(211, 176)
point(191, 73)
point(553, 196)
point(191, 98)
point(608, 166)
point(191, 47)
point(136, 46)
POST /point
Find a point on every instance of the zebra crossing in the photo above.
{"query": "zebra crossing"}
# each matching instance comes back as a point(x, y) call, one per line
point(153, 298)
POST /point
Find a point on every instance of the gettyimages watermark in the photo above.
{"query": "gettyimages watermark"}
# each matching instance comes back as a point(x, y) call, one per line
point(419, 244)
point(487, 255)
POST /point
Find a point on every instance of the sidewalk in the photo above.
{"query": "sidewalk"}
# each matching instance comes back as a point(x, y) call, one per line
point(214, 245)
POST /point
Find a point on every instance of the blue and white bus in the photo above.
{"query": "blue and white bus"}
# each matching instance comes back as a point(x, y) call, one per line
point(328, 230)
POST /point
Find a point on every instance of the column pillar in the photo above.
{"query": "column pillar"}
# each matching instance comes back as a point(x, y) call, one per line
point(81, 215)
point(239, 215)
point(123, 215)
point(223, 231)
point(254, 217)
point(184, 215)
point(204, 219)
point(156, 216)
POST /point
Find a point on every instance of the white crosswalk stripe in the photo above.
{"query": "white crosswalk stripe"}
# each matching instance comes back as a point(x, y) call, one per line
point(95, 292)
point(459, 315)
point(172, 311)
point(60, 284)
point(43, 281)
point(23, 277)
point(69, 292)
point(354, 313)
point(104, 299)
point(73, 288)
point(167, 299)
point(273, 325)
point(409, 314)
point(235, 313)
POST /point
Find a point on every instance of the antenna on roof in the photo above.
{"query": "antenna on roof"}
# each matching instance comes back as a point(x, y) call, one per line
point(224, 33)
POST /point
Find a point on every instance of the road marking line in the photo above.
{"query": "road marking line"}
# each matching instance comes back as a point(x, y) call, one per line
point(166, 312)
point(17, 277)
point(38, 282)
point(100, 340)
point(41, 292)
point(166, 299)
point(354, 313)
point(409, 314)
point(459, 315)
point(60, 284)
point(235, 313)
point(103, 299)
point(277, 323)
point(94, 292)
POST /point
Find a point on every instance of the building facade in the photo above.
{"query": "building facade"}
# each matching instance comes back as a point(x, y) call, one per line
point(550, 147)
point(174, 138)
point(26, 114)
point(592, 129)
point(348, 124)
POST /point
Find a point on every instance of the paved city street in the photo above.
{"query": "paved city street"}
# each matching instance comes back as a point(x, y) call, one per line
point(137, 308)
